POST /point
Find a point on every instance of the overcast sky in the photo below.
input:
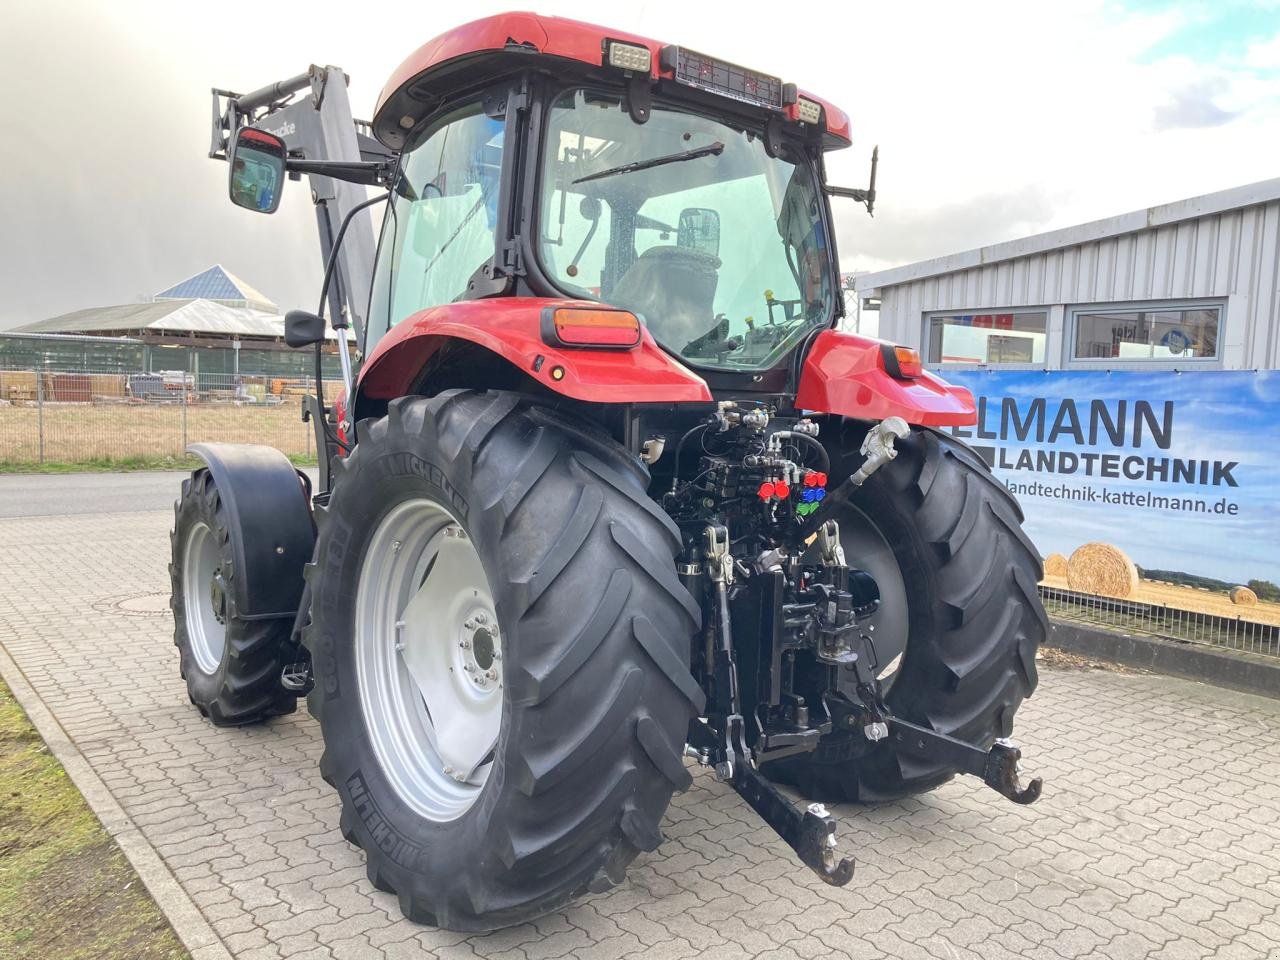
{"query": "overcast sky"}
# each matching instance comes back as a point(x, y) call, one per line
point(995, 120)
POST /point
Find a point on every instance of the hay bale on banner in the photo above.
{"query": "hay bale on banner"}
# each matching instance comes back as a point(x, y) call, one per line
point(1102, 569)
point(1243, 596)
point(1055, 565)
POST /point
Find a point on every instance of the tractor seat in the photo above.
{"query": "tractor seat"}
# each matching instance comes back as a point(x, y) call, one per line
point(673, 289)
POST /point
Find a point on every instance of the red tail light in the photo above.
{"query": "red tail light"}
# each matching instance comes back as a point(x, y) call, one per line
point(591, 327)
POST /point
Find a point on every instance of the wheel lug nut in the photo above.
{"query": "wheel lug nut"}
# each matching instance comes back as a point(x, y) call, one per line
point(482, 617)
point(465, 644)
point(491, 674)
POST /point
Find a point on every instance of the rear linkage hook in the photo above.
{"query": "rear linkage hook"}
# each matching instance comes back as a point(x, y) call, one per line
point(812, 834)
point(1002, 775)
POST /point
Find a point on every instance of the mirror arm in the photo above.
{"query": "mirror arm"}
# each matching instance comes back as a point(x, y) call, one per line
point(867, 196)
point(370, 173)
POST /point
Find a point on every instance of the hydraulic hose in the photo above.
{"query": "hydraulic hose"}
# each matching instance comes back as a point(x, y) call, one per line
point(675, 469)
point(324, 295)
point(824, 458)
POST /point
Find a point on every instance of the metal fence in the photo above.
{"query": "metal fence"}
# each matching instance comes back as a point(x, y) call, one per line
point(76, 417)
point(79, 353)
point(1246, 631)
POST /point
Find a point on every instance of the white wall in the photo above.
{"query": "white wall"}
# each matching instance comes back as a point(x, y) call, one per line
point(1234, 254)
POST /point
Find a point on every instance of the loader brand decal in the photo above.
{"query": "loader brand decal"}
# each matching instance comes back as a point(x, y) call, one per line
point(1179, 470)
point(286, 129)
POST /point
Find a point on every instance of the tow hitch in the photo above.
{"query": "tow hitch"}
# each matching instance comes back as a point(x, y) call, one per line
point(811, 833)
point(721, 741)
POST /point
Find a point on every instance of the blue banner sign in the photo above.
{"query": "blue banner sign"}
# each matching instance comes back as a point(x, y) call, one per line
point(1179, 470)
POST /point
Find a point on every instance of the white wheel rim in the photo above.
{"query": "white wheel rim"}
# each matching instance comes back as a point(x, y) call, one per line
point(868, 550)
point(428, 659)
point(204, 597)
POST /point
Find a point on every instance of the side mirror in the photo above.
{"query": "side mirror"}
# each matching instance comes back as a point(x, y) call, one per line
point(257, 170)
point(303, 328)
point(699, 230)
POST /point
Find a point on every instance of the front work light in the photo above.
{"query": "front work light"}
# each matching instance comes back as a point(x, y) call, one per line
point(808, 111)
point(591, 327)
point(629, 56)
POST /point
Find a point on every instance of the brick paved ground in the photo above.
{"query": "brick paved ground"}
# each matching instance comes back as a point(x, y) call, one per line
point(1158, 834)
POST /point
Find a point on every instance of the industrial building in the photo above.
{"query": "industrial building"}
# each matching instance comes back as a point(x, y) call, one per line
point(1126, 375)
point(1187, 285)
point(212, 322)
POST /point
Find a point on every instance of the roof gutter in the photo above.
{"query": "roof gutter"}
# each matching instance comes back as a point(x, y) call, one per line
point(1236, 198)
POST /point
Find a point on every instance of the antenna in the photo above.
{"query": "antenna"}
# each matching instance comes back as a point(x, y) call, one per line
point(871, 188)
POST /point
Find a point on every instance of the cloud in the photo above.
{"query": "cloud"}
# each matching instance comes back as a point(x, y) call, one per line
point(1194, 107)
point(902, 232)
point(1263, 54)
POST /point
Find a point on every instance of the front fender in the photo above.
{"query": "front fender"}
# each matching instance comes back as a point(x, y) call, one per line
point(269, 520)
point(511, 328)
point(845, 374)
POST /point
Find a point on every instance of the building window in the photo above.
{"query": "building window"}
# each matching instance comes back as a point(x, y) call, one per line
point(1154, 332)
point(988, 338)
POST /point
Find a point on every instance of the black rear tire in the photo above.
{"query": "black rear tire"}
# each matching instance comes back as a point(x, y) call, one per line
point(595, 634)
point(244, 685)
point(975, 618)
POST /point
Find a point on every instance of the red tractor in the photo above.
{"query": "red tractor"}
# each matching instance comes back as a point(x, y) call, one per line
point(607, 488)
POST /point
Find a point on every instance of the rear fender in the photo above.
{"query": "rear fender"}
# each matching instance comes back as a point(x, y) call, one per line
point(511, 328)
point(845, 374)
point(269, 517)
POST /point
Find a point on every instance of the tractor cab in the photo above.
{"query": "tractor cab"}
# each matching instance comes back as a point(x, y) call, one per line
point(604, 168)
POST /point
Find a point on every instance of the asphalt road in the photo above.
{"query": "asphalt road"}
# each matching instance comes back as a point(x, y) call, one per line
point(60, 495)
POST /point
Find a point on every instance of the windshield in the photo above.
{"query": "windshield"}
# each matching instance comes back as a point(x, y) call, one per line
point(687, 222)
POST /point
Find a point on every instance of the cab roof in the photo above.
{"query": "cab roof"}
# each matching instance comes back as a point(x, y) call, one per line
point(491, 45)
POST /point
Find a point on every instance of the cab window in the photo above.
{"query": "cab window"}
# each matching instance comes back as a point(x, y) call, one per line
point(441, 227)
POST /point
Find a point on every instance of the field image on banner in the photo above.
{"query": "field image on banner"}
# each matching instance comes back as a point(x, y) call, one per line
point(1176, 471)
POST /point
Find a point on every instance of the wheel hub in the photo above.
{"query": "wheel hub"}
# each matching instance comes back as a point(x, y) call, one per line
point(218, 596)
point(479, 655)
point(429, 658)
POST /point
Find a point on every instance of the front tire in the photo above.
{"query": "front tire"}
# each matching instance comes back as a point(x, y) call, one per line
point(232, 665)
point(591, 642)
point(967, 576)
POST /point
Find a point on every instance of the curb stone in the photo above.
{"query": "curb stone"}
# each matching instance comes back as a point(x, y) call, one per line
point(183, 915)
point(1236, 670)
